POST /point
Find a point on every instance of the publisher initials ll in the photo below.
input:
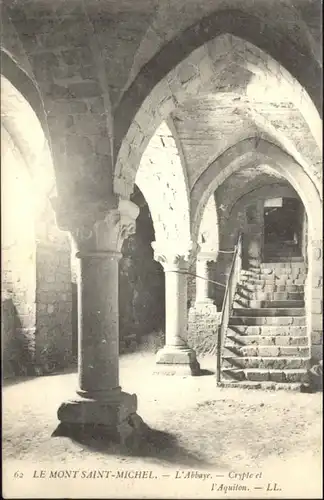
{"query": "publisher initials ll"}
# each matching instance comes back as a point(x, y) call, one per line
point(273, 487)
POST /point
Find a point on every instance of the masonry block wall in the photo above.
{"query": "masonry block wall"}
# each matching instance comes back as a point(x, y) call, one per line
point(316, 327)
point(202, 329)
point(18, 310)
point(53, 305)
point(203, 319)
point(18, 262)
point(36, 308)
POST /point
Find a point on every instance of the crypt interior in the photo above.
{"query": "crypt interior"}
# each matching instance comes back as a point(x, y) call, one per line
point(161, 183)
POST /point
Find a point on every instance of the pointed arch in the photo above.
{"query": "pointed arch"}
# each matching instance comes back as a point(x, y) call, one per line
point(162, 179)
point(191, 77)
point(254, 151)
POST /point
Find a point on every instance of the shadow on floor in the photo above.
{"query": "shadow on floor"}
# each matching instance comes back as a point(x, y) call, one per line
point(7, 382)
point(204, 372)
point(150, 443)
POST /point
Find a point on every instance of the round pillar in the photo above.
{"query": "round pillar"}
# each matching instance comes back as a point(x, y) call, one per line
point(175, 305)
point(98, 356)
point(202, 272)
point(175, 357)
point(99, 399)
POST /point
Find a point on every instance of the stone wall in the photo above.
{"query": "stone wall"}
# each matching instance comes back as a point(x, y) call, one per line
point(53, 306)
point(18, 261)
point(36, 310)
point(314, 299)
point(202, 329)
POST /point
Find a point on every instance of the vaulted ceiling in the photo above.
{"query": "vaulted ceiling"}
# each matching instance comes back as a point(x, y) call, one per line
point(95, 63)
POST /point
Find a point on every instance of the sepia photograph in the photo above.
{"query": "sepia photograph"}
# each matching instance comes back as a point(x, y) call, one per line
point(161, 249)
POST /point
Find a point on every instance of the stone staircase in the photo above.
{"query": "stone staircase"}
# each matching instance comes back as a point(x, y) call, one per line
point(267, 344)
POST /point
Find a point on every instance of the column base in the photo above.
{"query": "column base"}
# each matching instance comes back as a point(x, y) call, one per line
point(173, 360)
point(113, 416)
point(206, 305)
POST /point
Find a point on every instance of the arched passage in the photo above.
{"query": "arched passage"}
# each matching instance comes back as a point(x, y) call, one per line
point(253, 204)
point(256, 152)
point(141, 286)
point(162, 179)
point(40, 289)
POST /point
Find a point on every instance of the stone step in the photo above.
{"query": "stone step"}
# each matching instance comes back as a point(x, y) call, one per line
point(269, 311)
point(282, 258)
point(237, 340)
point(265, 351)
point(240, 303)
point(268, 272)
point(268, 320)
point(286, 253)
point(265, 386)
point(274, 276)
point(273, 280)
point(297, 375)
point(271, 295)
point(265, 362)
point(246, 275)
point(274, 287)
point(268, 330)
point(285, 265)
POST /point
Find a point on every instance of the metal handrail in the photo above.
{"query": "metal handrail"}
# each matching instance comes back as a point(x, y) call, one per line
point(228, 300)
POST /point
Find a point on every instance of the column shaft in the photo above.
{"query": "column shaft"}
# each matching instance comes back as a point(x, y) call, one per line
point(98, 323)
point(175, 357)
point(202, 280)
point(175, 307)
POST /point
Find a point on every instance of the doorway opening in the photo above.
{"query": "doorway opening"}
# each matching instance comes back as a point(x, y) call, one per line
point(283, 229)
point(141, 287)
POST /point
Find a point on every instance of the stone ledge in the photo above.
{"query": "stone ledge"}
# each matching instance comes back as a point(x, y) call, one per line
point(266, 386)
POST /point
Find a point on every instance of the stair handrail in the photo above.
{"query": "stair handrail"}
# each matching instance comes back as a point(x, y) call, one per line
point(232, 280)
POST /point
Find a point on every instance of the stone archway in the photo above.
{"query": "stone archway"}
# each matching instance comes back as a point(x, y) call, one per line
point(47, 292)
point(257, 151)
point(141, 287)
point(188, 79)
point(162, 179)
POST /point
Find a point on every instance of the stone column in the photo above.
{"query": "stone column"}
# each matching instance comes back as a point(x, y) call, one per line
point(175, 357)
point(100, 400)
point(202, 296)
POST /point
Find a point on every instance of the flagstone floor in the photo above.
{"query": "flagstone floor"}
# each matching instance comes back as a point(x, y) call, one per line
point(215, 434)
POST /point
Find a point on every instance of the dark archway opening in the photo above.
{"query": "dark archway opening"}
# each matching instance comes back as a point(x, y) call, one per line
point(283, 228)
point(141, 285)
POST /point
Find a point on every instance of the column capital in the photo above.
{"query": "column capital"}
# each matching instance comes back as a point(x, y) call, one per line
point(207, 255)
point(174, 256)
point(98, 228)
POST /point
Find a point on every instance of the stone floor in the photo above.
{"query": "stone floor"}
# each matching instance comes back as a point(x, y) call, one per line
point(217, 434)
